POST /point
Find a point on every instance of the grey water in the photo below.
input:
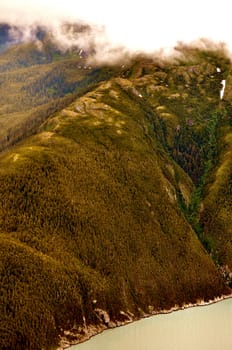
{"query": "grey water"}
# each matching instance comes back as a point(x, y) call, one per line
point(197, 328)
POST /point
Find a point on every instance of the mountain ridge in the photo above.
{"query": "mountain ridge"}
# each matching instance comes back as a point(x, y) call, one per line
point(99, 210)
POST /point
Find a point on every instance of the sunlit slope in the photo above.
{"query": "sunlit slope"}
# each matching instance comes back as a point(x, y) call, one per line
point(90, 219)
point(36, 80)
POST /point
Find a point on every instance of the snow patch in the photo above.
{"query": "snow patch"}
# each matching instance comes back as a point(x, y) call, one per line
point(222, 89)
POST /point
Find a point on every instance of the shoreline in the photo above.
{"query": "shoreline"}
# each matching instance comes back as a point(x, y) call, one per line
point(92, 330)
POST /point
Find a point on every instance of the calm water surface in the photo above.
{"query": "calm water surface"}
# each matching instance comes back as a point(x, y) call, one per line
point(198, 328)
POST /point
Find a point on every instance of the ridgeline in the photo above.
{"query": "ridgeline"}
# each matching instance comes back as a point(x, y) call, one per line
point(115, 190)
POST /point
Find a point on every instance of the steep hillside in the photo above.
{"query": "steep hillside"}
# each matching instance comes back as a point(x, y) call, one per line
point(217, 210)
point(97, 216)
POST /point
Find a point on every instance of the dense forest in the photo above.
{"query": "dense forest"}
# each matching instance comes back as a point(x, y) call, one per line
point(115, 189)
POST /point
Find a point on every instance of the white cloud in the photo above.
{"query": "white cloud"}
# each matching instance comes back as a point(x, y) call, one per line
point(139, 25)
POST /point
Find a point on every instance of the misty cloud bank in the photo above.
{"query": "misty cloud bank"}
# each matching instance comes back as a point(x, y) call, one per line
point(116, 28)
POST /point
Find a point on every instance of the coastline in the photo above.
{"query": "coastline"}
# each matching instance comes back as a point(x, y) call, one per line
point(91, 330)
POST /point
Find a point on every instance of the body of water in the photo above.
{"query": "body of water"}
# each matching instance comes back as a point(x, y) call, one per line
point(198, 328)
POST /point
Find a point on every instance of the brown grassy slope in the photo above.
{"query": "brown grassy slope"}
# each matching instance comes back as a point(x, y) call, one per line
point(88, 211)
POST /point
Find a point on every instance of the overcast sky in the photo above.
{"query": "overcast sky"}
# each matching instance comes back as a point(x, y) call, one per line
point(139, 25)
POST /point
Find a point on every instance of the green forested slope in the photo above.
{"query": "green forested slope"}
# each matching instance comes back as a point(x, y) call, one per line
point(96, 209)
point(217, 205)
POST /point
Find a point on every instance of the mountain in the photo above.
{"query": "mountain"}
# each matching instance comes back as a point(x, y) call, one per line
point(115, 190)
